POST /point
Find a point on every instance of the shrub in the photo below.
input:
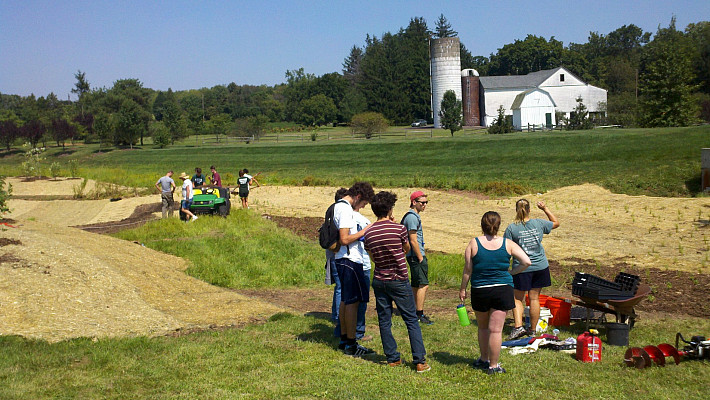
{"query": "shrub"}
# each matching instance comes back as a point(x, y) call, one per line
point(368, 123)
point(502, 124)
point(73, 167)
point(54, 169)
point(5, 192)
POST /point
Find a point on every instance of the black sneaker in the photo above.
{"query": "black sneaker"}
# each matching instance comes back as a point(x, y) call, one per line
point(517, 333)
point(357, 351)
point(480, 364)
point(341, 346)
point(496, 370)
point(425, 320)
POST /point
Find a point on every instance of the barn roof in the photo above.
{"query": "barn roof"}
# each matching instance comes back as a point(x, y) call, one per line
point(531, 80)
point(521, 96)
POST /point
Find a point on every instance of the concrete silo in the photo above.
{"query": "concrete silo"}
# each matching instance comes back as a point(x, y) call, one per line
point(445, 54)
point(470, 88)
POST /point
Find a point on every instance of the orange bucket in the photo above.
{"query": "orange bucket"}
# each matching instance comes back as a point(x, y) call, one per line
point(543, 300)
point(560, 309)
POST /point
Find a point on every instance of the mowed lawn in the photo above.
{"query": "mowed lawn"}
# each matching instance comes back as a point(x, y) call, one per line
point(660, 162)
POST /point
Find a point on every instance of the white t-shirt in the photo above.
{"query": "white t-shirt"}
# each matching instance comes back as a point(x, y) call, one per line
point(361, 222)
point(344, 217)
point(250, 178)
point(187, 189)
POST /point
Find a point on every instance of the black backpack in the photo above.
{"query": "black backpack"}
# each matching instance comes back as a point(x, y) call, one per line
point(328, 233)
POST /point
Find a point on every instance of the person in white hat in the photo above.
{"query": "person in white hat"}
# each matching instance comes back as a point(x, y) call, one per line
point(186, 196)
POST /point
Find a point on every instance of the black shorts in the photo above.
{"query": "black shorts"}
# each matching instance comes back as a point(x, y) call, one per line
point(243, 193)
point(492, 298)
point(419, 271)
point(525, 281)
point(354, 285)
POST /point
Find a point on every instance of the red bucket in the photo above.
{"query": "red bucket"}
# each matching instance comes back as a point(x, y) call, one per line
point(560, 309)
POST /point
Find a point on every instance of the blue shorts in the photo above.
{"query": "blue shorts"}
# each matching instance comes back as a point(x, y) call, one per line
point(185, 204)
point(525, 281)
point(354, 285)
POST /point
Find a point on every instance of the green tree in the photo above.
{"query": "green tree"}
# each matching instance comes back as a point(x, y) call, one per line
point(317, 110)
point(443, 28)
point(131, 123)
point(579, 118)
point(532, 54)
point(502, 123)
point(666, 80)
point(368, 123)
point(9, 129)
point(160, 134)
point(450, 113)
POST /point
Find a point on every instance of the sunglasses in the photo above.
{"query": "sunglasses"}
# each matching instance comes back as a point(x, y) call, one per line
point(422, 202)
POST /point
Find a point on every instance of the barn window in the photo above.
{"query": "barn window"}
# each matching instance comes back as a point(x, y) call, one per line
point(562, 77)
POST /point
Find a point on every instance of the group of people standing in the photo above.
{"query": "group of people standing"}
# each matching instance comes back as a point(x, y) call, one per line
point(167, 187)
point(495, 287)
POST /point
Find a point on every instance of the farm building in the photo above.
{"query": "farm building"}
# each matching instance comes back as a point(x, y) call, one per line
point(557, 88)
point(533, 107)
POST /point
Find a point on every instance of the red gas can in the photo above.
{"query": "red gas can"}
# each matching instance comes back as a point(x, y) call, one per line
point(589, 347)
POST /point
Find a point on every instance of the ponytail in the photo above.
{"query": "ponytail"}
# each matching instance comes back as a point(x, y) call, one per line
point(522, 210)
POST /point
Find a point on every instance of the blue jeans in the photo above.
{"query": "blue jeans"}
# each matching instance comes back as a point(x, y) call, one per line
point(335, 308)
point(399, 292)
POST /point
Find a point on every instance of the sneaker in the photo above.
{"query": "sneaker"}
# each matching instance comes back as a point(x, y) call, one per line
point(357, 351)
point(194, 217)
point(397, 363)
point(423, 367)
point(496, 370)
point(517, 333)
point(480, 364)
point(425, 320)
point(341, 346)
point(530, 332)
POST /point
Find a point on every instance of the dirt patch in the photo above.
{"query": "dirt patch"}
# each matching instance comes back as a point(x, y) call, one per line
point(306, 227)
point(142, 214)
point(66, 283)
point(7, 242)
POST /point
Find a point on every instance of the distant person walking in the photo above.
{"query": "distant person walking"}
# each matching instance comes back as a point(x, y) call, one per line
point(215, 179)
point(186, 196)
point(528, 233)
point(416, 257)
point(243, 183)
point(198, 180)
point(166, 185)
point(387, 241)
point(487, 259)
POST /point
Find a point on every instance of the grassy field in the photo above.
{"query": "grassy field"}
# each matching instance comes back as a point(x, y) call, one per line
point(660, 162)
point(293, 355)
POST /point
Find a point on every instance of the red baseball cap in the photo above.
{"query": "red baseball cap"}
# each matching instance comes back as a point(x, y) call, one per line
point(416, 195)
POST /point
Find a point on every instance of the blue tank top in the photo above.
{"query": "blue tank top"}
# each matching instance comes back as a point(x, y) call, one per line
point(490, 267)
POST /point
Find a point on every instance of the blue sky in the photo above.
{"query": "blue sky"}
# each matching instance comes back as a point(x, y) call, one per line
point(194, 44)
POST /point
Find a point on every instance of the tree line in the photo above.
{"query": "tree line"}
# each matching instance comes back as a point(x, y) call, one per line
point(660, 79)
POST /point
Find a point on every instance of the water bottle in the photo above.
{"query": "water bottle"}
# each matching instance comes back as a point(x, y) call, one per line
point(463, 315)
point(556, 332)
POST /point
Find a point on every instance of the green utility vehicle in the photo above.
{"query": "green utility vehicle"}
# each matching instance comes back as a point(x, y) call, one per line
point(209, 200)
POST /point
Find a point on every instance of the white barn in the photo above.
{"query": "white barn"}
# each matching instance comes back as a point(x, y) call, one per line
point(533, 107)
point(562, 87)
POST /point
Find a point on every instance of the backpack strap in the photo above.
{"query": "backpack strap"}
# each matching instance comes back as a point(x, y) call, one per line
point(419, 219)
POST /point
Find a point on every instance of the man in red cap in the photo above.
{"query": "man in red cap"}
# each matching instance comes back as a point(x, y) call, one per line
point(415, 257)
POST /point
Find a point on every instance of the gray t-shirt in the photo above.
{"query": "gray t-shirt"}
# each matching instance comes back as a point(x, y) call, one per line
point(413, 222)
point(529, 237)
point(166, 184)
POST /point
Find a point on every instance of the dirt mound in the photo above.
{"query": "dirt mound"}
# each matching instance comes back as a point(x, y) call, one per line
point(58, 283)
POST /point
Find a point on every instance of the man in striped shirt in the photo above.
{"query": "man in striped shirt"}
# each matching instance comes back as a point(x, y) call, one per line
point(387, 241)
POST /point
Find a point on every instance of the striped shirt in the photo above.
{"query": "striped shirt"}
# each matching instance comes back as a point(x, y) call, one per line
point(384, 241)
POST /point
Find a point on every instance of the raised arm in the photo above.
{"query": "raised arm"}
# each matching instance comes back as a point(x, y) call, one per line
point(541, 205)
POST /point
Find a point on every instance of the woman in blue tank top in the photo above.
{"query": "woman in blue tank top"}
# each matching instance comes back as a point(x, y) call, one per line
point(487, 263)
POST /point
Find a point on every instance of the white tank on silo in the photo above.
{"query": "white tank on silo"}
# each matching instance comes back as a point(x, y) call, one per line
point(445, 60)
